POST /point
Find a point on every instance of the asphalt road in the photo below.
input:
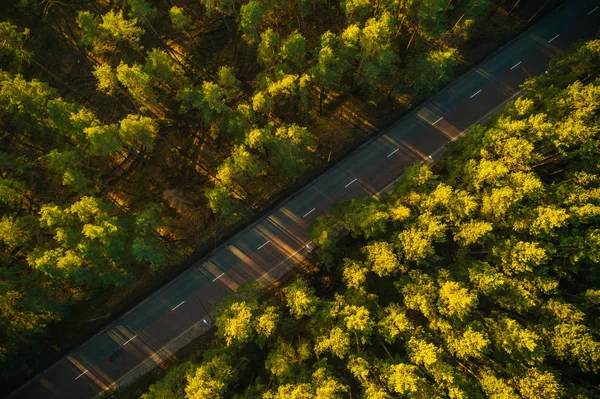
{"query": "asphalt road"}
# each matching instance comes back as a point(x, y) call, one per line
point(264, 251)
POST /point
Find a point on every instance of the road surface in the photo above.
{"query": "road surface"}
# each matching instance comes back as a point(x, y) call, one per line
point(177, 313)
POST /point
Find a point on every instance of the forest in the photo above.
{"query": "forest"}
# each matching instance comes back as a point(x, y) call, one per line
point(475, 277)
point(136, 135)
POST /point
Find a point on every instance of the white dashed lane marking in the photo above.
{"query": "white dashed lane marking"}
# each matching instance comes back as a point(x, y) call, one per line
point(263, 245)
point(309, 212)
point(177, 306)
point(129, 340)
point(346, 186)
point(81, 374)
point(516, 65)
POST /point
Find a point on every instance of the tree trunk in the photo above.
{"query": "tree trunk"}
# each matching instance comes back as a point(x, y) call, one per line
point(231, 36)
point(321, 94)
point(168, 49)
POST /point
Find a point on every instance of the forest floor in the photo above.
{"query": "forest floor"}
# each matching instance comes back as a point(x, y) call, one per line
point(347, 122)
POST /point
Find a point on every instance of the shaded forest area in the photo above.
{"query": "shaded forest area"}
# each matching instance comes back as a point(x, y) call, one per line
point(475, 278)
point(134, 133)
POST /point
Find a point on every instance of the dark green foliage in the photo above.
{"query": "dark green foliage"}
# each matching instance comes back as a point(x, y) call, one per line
point(171, 385)
point(478, 280)
point(129, 129)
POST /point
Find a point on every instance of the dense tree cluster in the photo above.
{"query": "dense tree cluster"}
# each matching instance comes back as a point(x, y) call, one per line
point(474, 278)
point(130, 128)
point(63, 230)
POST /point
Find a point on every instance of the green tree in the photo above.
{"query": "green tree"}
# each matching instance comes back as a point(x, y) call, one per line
point(575, 343)
point(520, 256)
point(12, 42)
point(455, 300)
point(92, 244)
point(139, 84)
point(327, 386)
point(474, 11)
point(357, 320)
point(431, 18)
point(293, 51)
point(136, 129)
point(105, 34)
point(355, 275)
point(103, 139)
point(382, 259)
point(116, 27)
point(427, 72)
point(88, 24)
point(286, 361)
point(325, 233)
point(335, 58)
point(403, 379)
point(321, 386)
point(540, 384)
point(394, 323)
point(419, 293)
point(367, 217)
point(415, 244)
point(337, 342)
point(221, 200)
point(287, 147)
point(268, 48)
point(27, 310)
point(141, 9)
point(17, 231)
point(301, 299)
point(496, 387)
point(357, 10)
point(266, 322)
point(547, 219)
point(233, 174)
point(178, 18)
point(210, 379)
point(521, 344)
point(251, 17)
point(423, 353)
point(377, 58)
point(162, 67)
point(12, 191)
point(173, 384)
point(472, 232)
point(234, 323)
point(106, 77)
point(470, 344)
